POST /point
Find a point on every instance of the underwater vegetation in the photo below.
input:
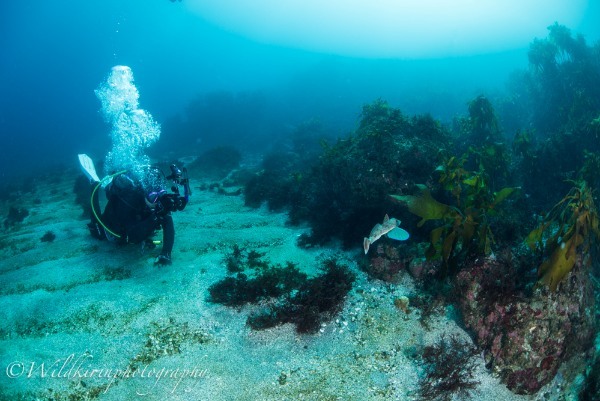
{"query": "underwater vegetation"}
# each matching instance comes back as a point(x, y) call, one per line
point(276, 183)
point(345, 190)
point(560, 90)
point(463, 226)
point(482, 123)
point(292, 296)
point(565, 72)
point(269, 282)
point(554, 107)
point(15, 215)
point(449, 367)
point(281, 171)
point(316, 300)
point(49, 236)
point(240, 259)
point(574, 225)
point(467, 196)
point(480, 135)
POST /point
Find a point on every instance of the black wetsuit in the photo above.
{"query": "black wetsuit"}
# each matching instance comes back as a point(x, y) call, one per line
point(128, 215)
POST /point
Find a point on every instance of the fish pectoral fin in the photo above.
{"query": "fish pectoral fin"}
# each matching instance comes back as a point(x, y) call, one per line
point(398, 234)
point(366, 245)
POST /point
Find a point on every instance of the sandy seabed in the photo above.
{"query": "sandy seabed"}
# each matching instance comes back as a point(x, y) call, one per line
point(82, 319)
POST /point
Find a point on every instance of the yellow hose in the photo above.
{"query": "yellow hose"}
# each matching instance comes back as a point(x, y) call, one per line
point(92, 202)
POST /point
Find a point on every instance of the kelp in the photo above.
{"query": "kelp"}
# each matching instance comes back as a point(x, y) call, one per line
point(424, 205)
point(483, 123)
point(575, 220)
point(463, 226)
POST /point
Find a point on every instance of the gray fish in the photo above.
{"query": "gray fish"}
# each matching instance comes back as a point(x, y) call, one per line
point(389, 227)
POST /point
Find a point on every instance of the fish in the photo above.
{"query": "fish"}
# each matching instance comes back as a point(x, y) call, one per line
point(389, 227)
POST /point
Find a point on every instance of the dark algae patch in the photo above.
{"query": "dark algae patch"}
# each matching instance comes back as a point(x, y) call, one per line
point(292, 296)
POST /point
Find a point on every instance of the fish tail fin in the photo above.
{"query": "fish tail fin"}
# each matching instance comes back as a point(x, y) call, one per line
point(366, 245)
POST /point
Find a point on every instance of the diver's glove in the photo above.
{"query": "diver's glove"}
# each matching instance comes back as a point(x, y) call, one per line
point(162, 260)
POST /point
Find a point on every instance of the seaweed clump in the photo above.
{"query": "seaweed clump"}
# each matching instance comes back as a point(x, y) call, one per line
point(49, 236)
point(284, 169)
point(565, 82)
point(577, 220)
point(558, 101)
point(240, 258)
point(15, 215)
point(315, 301)
point(277, 181)
point(292, 296)
point(464, 224)
point(269, 282)
point(449, 369)
point(348, 188)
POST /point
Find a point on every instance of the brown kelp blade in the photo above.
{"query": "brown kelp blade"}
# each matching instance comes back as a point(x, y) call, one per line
point(424, 206)
point(560, 263)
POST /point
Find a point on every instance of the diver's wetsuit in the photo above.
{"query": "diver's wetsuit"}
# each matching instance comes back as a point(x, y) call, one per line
point(129, 215)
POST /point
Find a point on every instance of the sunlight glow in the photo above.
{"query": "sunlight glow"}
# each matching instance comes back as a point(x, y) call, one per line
point(392, 28)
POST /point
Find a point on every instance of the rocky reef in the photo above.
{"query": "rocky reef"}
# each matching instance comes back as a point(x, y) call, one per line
point(500, 207)
point(526, 339)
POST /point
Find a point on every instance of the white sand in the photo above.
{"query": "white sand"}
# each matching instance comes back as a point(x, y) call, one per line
point(78, 295)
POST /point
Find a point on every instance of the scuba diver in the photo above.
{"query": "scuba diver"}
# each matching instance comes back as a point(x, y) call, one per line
point(133, 214)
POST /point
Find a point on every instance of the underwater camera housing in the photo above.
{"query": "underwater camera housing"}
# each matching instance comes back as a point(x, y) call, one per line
point(174, 201)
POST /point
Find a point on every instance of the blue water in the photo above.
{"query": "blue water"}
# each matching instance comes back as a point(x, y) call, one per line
point(208, 82)
point(54, 54)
